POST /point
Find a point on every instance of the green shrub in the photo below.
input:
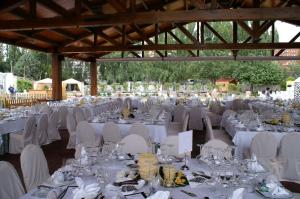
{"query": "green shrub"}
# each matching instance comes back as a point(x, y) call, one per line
point(23, 84)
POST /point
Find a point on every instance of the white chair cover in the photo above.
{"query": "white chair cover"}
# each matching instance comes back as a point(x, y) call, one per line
point(79, 114)
point(289, 156)
point(41, 129)
point(71, 126)
point(46, 109)
point(10, 185)
point(134, 144)
point(62, 117)
point(195, 121)
point(86, 135)
point(34, 166)
point(264, 146)
point(179, 113)
point(18, 141)
point(88, 114)
point(216, 148)
point(111, 133)
point(53, 133)
point(140, 129)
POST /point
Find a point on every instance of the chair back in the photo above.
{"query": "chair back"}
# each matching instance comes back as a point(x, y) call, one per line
point(140, 129)
point(10, 185)
point(62, 117)
point(134, 144)
point(34, 166)
point(195, 120)
point(208, 128)
point(88, 114)
point(264, 146)
point(79, 115)
point(111, 132)
point(53, 133)
point(42, 127)
point(289, 153)
point(185, 122)
point(179, 113)
point(71, 123)
point(86, 134)
point(30, 135)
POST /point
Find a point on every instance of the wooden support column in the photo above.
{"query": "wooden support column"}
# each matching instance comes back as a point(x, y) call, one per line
point(93, 75)
point(56, 76)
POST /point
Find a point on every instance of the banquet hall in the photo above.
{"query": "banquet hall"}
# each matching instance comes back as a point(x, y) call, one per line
point(159, 146)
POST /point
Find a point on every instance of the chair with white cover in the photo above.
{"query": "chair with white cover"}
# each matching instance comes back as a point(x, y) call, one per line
point(111, 133)
point(53, 133)
point(17, 141)
point(88, 114)
point(175, 127)
point(71, 126)
point(216, 148)
point(215, 133)
point(140, 129)
point(195, 120)
point(10, 185)
point(46, 109)
point(86, 135)
point(41, 130)
point(289, 157)
point(134, 144)
point(34, 166)
point(179, 113)
point(264, 147)
point(62, 117)
point(215, 112)
point(79, 114)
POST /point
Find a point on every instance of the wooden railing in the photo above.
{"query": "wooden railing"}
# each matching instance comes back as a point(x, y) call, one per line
point(21, 99)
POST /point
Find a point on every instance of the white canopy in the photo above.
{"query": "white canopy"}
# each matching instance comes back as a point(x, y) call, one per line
point(71, 81)
point(44, 81)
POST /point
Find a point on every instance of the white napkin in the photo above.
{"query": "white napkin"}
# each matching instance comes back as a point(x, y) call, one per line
point(277, 190)
point(57, 177)
point(160, 195)
point(237, 194)
point(254, 165)
point(85, 191)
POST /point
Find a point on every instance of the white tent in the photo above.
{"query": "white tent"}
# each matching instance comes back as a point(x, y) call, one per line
point(40, 85)
point(70, 85)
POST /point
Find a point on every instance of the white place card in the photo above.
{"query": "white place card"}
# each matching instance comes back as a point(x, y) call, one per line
point(185, 142)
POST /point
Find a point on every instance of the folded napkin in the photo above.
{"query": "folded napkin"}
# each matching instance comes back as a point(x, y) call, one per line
point(57, 177)
point(276, 190)
point(254, 165)
point(89, 191)
point(237, 194)
point(160, 195)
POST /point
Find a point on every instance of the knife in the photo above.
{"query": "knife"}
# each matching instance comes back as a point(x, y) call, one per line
point(188, 193)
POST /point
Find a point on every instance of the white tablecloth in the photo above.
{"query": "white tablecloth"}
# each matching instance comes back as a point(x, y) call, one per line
point(12, 126)
point(158, 133)
point(203, 190)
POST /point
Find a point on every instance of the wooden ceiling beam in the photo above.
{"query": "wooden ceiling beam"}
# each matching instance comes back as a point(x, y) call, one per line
point(8, 5)
point(152, 17)
point(180, 42)
point(208, 58)
point(221, 46)
point(291, 41)
point(215, 32)
point(187, 33)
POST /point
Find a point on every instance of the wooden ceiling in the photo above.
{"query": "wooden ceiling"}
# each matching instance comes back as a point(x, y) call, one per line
point(90, 29)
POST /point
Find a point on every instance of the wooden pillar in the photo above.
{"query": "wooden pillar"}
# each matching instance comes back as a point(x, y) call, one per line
point(93, 75)
point(56, 76)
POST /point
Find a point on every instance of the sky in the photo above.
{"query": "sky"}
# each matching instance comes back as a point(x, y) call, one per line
point(286, 31)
